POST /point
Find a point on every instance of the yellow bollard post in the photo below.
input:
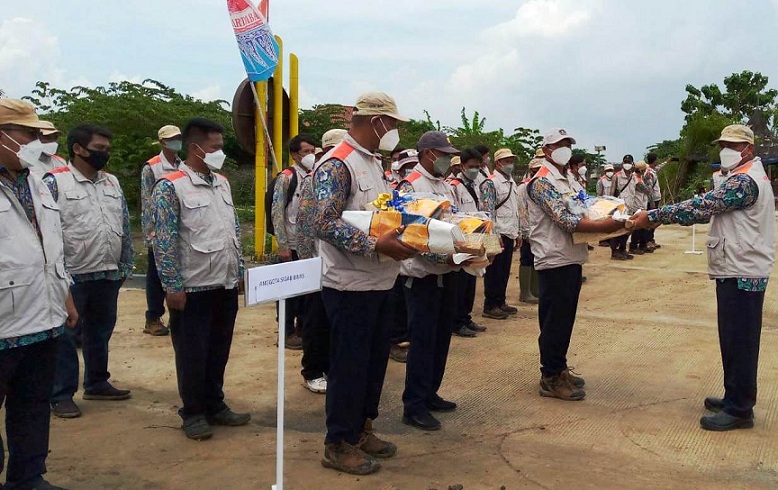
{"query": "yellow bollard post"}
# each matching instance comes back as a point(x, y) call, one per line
point(278, 104)
point(260, 172)
point(294, 98)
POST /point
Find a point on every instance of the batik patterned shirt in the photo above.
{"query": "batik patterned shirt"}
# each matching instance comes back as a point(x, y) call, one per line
point(552, 202)
point(21, 190)
point(167, 217)
point(331, 189)
point(738, 192)
point(306, 241)
point(126, 257)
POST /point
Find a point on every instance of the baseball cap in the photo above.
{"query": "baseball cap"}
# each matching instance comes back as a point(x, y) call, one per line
point(736, 133)
point(333, 137)
point(406, 157)
point(555, 136)
point(607, 167)
point(435, 140)
point(456, 161)
point(49, 129)
point(536, 163)
point(377, 104)
point(167, 132)
point(641, 165)
point(503, 153)
point(20, 113)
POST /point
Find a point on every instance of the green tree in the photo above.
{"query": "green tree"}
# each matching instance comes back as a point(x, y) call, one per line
point(321, 118)
point(411, 131)
point(744, 94)
point(134, 113)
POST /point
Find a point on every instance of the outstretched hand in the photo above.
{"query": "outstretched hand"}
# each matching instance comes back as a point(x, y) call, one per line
point(642, 222)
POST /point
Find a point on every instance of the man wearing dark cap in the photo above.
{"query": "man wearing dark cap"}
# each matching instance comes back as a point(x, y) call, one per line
point(429, 285)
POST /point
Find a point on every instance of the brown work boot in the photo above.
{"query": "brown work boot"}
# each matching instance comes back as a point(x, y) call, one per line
point(293, 342)
point(511, 310)
point(495, 313)
point(372, 445)
point(344, 457)
point(399, 352)
point(558, 387)
point(156, 328)
point(573, 378)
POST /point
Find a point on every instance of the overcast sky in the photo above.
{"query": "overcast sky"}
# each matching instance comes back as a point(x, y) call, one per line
point(611, 72)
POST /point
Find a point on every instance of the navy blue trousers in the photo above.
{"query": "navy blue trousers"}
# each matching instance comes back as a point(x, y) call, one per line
point(359, 353)
point(430, 302)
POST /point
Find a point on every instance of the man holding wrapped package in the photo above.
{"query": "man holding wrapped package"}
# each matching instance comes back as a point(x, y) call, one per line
point(356, 284)
point(558, 262)
point(741, 253)
point(429, 284)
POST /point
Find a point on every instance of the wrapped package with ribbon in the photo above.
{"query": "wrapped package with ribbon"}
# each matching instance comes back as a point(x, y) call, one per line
point(415, 203)
point(478, 229)
point(421, 233)
point(597, 208)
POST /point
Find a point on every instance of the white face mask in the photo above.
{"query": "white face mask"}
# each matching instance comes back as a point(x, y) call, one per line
point(561, 156)
point(50, 149)
point(213, 160)
point(582, 171)
point(308, 161)
point(729, 159)
point(29, 154)
point(389, 140)
point(627, 167)
point(609, 174)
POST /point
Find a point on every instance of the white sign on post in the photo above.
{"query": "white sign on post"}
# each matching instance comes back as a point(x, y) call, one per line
point(277, 283)
point(281, 281)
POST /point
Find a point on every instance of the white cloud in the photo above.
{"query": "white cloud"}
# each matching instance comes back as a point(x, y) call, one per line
point(543, 19)
point(209, 93)
point(117, 76)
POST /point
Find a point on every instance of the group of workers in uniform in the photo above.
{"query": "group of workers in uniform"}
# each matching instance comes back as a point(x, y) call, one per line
point(65, 237)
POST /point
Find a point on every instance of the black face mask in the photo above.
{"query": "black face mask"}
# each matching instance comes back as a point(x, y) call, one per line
point(97, 159)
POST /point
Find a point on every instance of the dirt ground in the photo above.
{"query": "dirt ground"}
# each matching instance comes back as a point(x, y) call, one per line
point(645, 340)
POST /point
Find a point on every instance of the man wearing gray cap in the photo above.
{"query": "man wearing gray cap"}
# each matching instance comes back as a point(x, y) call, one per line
point(356, 284)
point(558, 261)
point(429, 285)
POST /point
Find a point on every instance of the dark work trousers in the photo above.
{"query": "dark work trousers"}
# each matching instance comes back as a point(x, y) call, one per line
point(619, 244)
point(202, 336)
point(399, 330)
point(431, 323)
point(293, 306)
point(359, 353)
point(465, 299)
point(26, 379)
point(497, 275)
point(652, 231)
point(558, 289)
point(740, 328)
point(639, 239)
point(95, 302)
point(155, 295)
point(316, 336)
point(526, 259)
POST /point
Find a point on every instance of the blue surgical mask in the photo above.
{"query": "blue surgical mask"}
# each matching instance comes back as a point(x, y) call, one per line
point(174, 145)
point(472, 173)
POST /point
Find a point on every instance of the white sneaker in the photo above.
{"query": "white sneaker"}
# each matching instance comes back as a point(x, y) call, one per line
point(318, 385)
